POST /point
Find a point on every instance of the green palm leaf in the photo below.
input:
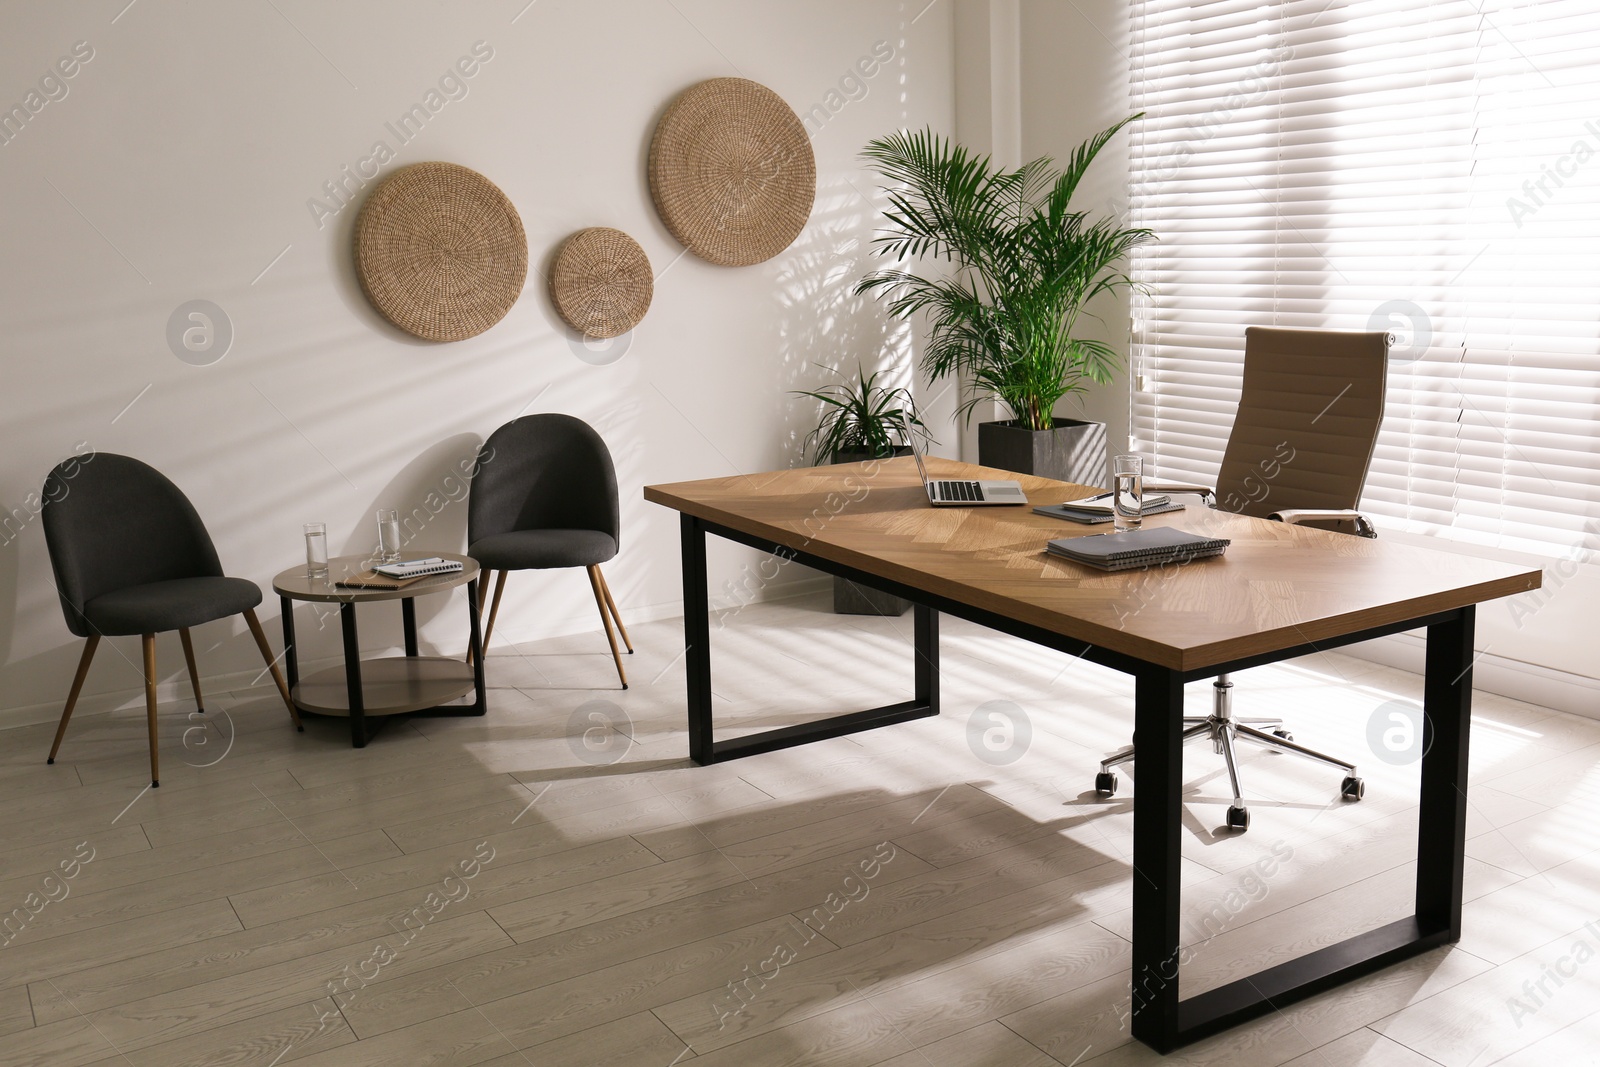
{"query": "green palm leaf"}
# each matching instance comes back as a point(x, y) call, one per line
point(1025, 265)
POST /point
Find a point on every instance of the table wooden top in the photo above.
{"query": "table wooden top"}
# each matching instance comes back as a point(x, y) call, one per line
point(1277, 587)
point(296, 585)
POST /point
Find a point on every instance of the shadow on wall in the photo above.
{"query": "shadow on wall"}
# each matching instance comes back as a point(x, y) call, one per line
point(823, 321)
point(430, 494)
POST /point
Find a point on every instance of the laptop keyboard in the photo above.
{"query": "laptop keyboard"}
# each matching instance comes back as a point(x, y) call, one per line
point(959, 491)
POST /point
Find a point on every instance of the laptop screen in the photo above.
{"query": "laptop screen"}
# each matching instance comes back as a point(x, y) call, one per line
point(916, 453)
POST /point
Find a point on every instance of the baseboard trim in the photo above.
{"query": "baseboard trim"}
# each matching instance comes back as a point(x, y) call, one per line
point(1557, 690)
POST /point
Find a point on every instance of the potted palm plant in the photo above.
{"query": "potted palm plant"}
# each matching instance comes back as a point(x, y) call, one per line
point(1005, 318)
point(862, 420)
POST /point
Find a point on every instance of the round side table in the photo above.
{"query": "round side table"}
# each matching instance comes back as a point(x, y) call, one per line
point(386, 685)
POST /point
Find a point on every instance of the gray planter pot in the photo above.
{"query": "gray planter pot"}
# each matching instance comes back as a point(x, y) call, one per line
point(1072, 452)
point(852, 599)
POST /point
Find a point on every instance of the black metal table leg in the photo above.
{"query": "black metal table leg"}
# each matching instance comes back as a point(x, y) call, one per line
point(477, 646)
point(352, 675)
point(697, 638)
point(1157, 889)
point(1441, 857)
point(704, 748)
point(291, 658)
point(1442, 818)
point(408, 619)
point(925, 631)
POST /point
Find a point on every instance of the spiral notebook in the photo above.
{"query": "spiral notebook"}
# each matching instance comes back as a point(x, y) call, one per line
point(417, 568)
point(1137, 548)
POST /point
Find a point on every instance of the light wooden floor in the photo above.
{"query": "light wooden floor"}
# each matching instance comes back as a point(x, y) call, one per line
point(297, 900)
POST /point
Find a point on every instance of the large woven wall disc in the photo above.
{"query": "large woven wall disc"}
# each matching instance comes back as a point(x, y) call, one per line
point(732, 172)
point(440, 251)
point(602, 282)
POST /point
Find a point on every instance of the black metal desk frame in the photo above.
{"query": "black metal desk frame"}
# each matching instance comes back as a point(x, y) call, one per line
point(1160, 1019)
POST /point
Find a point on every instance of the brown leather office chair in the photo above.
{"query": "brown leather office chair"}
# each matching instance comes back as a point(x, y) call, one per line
point(1299, 451)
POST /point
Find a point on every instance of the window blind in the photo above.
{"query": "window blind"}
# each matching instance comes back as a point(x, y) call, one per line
point(1428, 168)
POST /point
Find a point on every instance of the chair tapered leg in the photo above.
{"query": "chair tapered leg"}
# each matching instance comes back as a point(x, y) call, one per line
point(612, 604)
point(194, 675)
point(494, 610)
point(600, 602)
point(72, 694)
point(272, 665)
point(483, 594)
point(150, 707)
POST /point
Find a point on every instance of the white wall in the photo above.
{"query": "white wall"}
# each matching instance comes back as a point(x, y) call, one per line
point(1075, 84)
point(179, 165)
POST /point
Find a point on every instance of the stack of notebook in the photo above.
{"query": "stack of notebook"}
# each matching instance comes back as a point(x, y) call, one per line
point(1137, 548)
point(1096, 509)
point(400, 575)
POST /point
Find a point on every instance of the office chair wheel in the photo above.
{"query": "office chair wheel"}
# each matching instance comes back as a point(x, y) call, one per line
point(1105, 783)
point(1352, 789)
point(1239, 819)
point(1285, 734)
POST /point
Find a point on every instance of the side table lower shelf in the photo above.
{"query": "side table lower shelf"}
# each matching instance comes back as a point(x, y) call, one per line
point(390, 685)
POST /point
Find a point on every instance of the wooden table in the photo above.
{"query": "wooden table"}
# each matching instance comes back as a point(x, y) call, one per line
point(389, 685)
point(1280, 592)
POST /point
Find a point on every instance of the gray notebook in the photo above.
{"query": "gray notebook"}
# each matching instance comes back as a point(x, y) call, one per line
point(1137, 548)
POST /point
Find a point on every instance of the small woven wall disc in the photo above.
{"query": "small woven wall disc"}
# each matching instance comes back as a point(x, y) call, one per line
point(732, 172)
point(440, 251)
point(601, 282)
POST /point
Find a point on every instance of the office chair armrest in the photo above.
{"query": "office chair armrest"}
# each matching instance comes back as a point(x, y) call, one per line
point(1207, 492)
point(1295, 516)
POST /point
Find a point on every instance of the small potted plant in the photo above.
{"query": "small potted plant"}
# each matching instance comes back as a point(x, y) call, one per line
point(862, 420)
point(1005, 317)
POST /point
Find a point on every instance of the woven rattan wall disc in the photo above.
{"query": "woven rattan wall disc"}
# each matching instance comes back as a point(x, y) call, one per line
point(732, 172)
point(440, 251)
point(601, 282)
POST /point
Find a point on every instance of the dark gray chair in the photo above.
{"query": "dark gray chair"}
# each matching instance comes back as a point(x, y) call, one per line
point(131, 556)
point(1302, 441)
point(545, 496)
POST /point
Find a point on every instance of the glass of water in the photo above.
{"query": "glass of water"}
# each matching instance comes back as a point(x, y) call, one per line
point(1127, 485)
point(316, 550)
point(388, 535)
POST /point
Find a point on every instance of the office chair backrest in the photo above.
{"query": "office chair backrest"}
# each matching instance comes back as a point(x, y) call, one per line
point(543, 472)
point(112, 522)
point(1307, 423)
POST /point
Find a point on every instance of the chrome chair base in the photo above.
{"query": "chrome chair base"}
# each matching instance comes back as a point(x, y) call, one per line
point(1225, 732)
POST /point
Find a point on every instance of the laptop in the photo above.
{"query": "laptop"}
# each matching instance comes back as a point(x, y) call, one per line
point(963, 494)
